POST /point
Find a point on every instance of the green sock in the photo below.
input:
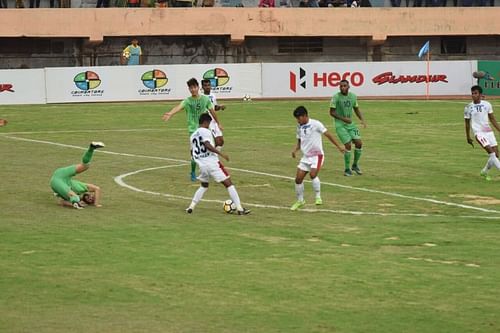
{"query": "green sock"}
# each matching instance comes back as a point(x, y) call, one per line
point(193, 166)
point(87, 157)
point(74, 199)
point(347, 159)
point(357, 155)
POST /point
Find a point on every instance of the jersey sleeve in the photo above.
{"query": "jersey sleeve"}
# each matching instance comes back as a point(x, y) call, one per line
point(126, 49)
point(490, 107)
point(333, 101)
point(184, 103)
point(466, 113)
point(320, 127)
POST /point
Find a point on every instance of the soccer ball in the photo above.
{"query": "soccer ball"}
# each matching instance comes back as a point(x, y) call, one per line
point(229, 206)
point(126, 54)
point(246, 97)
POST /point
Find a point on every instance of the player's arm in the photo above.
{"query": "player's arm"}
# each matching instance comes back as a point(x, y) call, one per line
point(97, 194)
point(334, 114)
point(214, 117)
point(467, 132)
point(360, 116)
point(296, 149)
point(211, 148)
point(335, 143)
point(493, 121)
point(169, 114)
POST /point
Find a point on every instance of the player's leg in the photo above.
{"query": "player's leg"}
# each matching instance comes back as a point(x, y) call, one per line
point(358, 148)
point(489, 144)
point(302, 170)
point(316, 184)
point(87, 157)
point(192, 174)
point(198, 195)
point(61, 188)
point(220, 175)
point(345, 138)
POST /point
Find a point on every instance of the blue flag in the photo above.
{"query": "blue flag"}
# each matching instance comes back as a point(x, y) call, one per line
point(424, 50)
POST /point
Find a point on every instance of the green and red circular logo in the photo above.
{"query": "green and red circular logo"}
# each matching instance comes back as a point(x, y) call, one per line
point(154, 79)
point(87, 80)
point(218, 77)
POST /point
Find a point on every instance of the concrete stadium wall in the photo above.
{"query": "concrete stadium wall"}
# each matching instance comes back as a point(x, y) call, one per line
point(90, 37)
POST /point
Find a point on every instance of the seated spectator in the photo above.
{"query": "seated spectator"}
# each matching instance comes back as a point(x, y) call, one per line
point(266, 3)
point(3, 3)
point(19, 4)
point(34, 3)
point(102, 3)
point(133, 3)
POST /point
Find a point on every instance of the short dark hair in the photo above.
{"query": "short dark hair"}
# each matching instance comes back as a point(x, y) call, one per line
point(476, 88)
point(344, 81)
point(300, 111)
point(193, 82)
point(206, 81)
point(204, 117)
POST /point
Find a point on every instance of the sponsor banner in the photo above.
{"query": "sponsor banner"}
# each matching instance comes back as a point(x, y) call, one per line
point(22, 86)
point(489, 77)
point(367, 79)
point(135, 83)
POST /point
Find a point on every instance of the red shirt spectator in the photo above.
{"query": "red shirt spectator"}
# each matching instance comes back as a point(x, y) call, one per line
point(266, 3)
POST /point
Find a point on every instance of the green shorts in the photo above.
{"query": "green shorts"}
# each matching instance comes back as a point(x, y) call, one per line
point(61, 182)
point(347, 133)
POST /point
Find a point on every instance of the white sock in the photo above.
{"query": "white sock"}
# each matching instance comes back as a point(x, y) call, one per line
point(494, 160)
point(316, 186)
point(233, 194)
point(198, 195)
point(299, 191)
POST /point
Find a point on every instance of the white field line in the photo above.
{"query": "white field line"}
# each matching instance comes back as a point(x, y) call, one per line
point(362, 189)
point(159, 129)
point(120, 181)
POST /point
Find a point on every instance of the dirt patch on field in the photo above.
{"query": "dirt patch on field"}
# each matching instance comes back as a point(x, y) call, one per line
point(477, 199)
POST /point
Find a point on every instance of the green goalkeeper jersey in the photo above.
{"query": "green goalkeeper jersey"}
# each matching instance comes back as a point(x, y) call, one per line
point(344, 106)
point(194, 107)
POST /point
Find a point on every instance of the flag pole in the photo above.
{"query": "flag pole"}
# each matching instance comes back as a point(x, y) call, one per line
point(427, 82)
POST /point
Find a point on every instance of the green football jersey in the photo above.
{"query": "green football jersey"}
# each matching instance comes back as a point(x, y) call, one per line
point(194, 107)
point(344, 105)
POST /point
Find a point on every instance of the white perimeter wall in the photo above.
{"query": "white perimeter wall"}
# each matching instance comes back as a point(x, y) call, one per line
point(269, 80)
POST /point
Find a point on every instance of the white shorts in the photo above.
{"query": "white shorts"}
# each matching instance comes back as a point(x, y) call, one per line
point(313, 162)
point(212, 170)
point(486, 139)
point(214, 128)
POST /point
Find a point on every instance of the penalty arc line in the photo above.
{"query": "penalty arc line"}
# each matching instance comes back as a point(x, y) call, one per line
point(120, 181)
point(362, 189)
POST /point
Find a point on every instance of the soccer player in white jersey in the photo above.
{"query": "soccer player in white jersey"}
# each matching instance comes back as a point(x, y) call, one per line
point(205, 155)
point(309, 141)
point(479, 114)
point(206, 86)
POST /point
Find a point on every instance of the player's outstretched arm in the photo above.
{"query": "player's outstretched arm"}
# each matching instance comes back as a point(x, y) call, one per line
point(360, 116)
point(168, 115)
point(211, 148)
point(333, 113)
point(296, 149)
point(467, 132)
point(335, 143)
point(493, 121)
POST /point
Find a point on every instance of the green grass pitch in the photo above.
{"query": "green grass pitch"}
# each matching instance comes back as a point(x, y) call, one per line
point(413, 245)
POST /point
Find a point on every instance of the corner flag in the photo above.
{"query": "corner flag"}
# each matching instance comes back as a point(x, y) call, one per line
point(424, 50)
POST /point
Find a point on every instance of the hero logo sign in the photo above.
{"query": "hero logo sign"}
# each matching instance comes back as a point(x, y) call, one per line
point(388, 77)
point(331, 79)
point(6, 87)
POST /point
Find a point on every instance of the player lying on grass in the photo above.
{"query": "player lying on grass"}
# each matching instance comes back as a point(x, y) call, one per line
point(206, 156)
point(309, 141)
point(73, 192)
point(194, 106)
point(479, 114)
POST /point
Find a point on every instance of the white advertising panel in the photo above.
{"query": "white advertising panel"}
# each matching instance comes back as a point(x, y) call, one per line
point(135, 83)
point(367, 78)
point(22, 86)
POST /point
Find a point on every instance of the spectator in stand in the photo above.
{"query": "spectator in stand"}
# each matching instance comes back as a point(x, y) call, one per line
point(34, 3)
point(266, 3)
point(133, 3)
point(3, 3)
point(132, 54)
point(470, 3)
point(102, 3)
point(19, 4)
